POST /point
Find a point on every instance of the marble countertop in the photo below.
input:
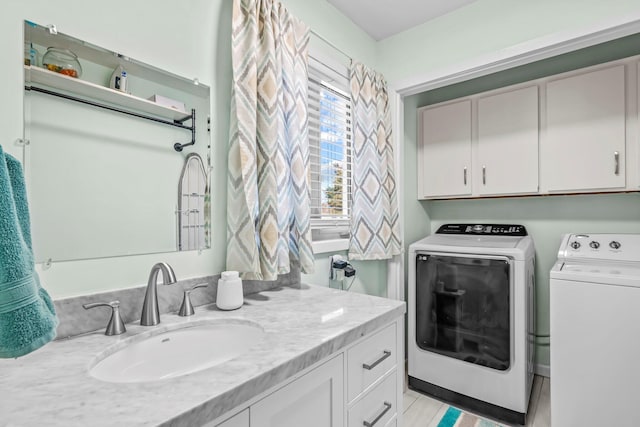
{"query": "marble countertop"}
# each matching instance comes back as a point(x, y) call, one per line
point(302, 326)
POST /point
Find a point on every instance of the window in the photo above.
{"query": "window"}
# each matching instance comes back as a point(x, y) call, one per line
point(330, 151)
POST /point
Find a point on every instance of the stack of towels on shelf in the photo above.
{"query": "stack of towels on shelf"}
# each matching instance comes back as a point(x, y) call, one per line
point(27, 317)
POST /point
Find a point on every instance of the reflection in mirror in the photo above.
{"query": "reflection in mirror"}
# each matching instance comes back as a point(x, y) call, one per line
point(193, 205)
point(102, 181)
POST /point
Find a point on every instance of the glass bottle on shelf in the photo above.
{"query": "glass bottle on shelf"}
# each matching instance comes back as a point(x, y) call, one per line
point(31, 55)
point(62, 61)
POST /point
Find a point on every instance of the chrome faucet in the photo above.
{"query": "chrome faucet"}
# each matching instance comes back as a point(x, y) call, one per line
point(150, 312)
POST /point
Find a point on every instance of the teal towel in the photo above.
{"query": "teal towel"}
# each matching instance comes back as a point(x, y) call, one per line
point(27, 317)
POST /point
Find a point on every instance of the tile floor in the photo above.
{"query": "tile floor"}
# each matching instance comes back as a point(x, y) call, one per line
point(420, 410)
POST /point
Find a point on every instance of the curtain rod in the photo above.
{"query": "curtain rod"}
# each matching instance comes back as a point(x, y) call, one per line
point(332, 45)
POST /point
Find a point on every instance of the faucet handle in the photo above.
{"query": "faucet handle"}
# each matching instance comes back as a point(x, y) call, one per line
point(115, 325)
point(186, 309)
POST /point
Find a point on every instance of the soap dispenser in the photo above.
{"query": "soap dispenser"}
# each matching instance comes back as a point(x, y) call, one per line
point(229, 295)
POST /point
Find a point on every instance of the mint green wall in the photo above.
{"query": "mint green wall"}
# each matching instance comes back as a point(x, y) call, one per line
point(323, 18)
point(191, 40)
point(417, 223)
point(598, 54)
point(485, 27)
point(328, 22)
point(194, 41)
point(488, 26)
point(547, 217)
point(370, 278)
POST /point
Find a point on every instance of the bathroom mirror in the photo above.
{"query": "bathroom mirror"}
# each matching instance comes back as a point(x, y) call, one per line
point(103, 169)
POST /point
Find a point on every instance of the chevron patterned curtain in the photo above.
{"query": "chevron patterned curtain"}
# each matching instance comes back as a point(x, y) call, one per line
point(375, 230)
point(268, 196)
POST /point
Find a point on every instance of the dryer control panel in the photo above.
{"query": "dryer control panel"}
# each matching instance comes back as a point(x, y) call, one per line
point(485, 229)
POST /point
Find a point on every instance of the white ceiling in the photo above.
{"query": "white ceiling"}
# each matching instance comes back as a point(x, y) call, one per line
point(384, 18)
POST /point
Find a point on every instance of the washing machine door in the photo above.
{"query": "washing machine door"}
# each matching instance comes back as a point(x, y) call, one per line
point(463, 307)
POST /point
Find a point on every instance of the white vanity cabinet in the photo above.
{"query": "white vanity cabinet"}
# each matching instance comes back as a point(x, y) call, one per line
point(372, 379)
point(314, 400)
point(326, 358)
point(361, 384)
point(585, 136)
point(444, 152)
point(507, 148)
point(378, 407)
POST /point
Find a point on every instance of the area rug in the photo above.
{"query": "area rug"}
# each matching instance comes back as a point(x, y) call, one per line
point(454, 417)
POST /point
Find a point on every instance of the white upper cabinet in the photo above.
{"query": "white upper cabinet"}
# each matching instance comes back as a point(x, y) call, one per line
point(501, 158)
point(445, 150)
point(578, 132)
point(584, 149)
point(507, 149)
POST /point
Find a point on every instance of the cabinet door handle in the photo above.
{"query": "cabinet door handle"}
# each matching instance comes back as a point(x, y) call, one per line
point(484, 175)
point(386, 354)
point(465, 175)
point(386, 408)
point(616, 159)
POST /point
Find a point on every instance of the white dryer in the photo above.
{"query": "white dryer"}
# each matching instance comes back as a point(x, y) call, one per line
point(471, 317)
point(595, 331)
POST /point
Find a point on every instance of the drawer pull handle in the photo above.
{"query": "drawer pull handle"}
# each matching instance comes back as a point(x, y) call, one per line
point(386, 408)
point(386, 354)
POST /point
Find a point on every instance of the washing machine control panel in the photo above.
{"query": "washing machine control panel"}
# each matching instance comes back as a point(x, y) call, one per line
point(484, 229)
point(618, 247)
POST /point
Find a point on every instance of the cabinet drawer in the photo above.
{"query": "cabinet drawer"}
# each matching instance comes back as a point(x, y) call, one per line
point(393, 422)
point(378, 407)
point(239, 420)
point(369, 360)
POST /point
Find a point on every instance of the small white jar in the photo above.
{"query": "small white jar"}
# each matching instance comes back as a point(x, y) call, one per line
point(229, 296)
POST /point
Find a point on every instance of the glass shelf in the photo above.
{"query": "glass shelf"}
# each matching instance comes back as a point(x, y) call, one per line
point(39, 76)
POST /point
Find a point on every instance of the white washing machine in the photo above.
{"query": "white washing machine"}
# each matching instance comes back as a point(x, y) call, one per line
point(471, 317)
point(595, 331)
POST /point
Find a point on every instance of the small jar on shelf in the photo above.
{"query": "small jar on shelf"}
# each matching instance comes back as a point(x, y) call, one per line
point(62, 61)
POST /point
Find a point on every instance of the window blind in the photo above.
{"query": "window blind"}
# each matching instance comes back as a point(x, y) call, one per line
point(329, 151)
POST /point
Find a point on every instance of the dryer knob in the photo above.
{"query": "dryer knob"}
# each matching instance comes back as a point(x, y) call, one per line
point(575, 245)
point(614, 245)
point(594, 244)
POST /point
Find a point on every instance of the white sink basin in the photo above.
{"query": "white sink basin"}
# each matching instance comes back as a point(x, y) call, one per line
point(186, 349)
